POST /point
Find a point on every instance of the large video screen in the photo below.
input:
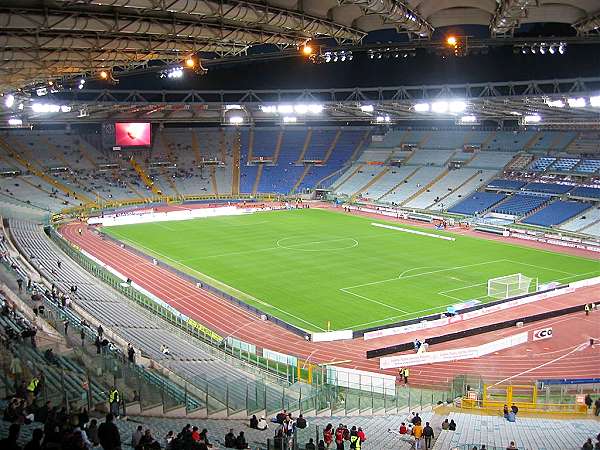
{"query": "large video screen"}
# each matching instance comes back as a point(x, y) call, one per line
point(132, 134)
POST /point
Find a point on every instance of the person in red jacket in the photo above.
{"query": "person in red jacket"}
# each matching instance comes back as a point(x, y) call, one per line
point(361, 435)
point(328, 435)
point(403, 429)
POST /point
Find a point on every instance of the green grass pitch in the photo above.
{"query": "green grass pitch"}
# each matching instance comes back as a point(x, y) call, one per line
point(311, 266)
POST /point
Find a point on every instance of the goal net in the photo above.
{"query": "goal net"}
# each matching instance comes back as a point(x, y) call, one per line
point(509, 286)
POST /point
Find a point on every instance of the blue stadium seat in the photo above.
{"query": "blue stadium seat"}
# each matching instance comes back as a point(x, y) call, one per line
point(556, 213)
point(476, 203)
point(520, 204)
point(506, 184)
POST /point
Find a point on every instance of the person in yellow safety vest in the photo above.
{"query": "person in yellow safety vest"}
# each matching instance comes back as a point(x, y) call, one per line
point(32, 387)
point(354, 439)
point(113, 401)
point(405, 374)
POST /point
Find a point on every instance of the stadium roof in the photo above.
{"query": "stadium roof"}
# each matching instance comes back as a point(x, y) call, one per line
point(562, 102)
point(45, 39)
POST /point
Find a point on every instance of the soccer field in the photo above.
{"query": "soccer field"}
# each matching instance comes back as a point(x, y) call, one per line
point(311, 266)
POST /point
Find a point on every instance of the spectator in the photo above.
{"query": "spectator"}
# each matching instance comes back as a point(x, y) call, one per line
point(452, 426)
point(280, 417)
point(165, 350)
point(195, 434)
point(262, 424)
point(505, 411)
point(328, 435)
point(597, 407)
point(354, 439)
point(204, 437)
point(100, 332)
point(279, 440)
point(588, 401)
point(42, 413)
point(130, 353)
point(36, 440)
point(10, 442)
point(254, 422)
point(82, 335)
point(445, 425)
point(416, 420)
point(588, 445)
point(512, 446)
point(514, 408)
point(169, 439)
point(339, 437)
point(230, 441)
point(301, 422)
point(310, 445)
point(92, 432)
point(417, 432)
point(240, 442)
point(403, 429)
point(136, 436)
point(108, 434)
point(428, 435)
point(321, 445)
point(361, 434)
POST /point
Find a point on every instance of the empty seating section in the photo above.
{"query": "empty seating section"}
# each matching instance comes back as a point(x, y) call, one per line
point(588, 166)
point(363, 176)
point(556, 212)
point(548, 188)
point(430, 157)
point(265, 143)
point(587, 142)
point(477, 203)
point(418, 181)
point(586, 192)
point(509, 141)
point(528, 433)
point(479, 179)
point(582, 222)
point(452, 180)
point(519, 162)
point(393, 177)
point(565, 164)
point(541, 164)
point(281, 178)
point(510, 185)
point(320, 141)
point(520, 204)
point(491, 160)
point(134, 324)
point(376, 155)
point(553, 140)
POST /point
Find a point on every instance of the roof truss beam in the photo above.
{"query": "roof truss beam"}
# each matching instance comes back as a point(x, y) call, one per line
point(508, 15)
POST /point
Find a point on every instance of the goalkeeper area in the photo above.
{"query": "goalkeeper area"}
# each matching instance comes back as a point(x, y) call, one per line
point(316, 268)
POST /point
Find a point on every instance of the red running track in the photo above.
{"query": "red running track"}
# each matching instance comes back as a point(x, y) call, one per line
point(552, 358)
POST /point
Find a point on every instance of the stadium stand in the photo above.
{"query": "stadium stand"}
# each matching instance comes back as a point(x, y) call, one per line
point(586, 192)
point(477, 203)
point(547, 188)
point(520, 204)
point(505, 185)
point(556, 213)
point(541, 164)
point(527, 433)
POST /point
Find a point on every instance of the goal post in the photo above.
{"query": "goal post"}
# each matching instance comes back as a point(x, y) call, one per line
point(509, 286)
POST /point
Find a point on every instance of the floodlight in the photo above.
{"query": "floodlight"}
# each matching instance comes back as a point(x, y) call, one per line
point(9, 101)
point(367, 108)
point(307, 50)
point(468, 119)
point(555, 103)
point(452, 41)
point(301, 109)
point(382, 119)
point(533, 118)
point(104, 74)
point(268, 109)
point(576, 102)
point(236, 120)
point(285, 109)
point(457, 106)
point(15, 122)
point(189, 62)
point(439, 107)
point(595, 101)
point(422, 107)
point(562, 48)
point(315, 108)
point(289, 119)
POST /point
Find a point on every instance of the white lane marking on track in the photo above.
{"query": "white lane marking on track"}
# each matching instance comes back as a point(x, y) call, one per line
point(547, 363)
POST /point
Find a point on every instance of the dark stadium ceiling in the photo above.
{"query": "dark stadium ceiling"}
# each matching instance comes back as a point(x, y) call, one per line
point(42, 40)
point(567, 102)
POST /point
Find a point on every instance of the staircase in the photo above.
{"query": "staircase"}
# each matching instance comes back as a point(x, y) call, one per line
point(304, 172)
point(144, 177)
point(40, 174)
point(332, 146)
point(235, 170)
point(259, 172)
point(340, 183)
point(250, 145)
point(278, 147)
point(397, 185)
point(472, 177)
point(582, 230)
point(373, 180)
point(360, 145)
point(213, 179)
point(196, 148)
point(488, 139)
point(424, 188)
point(305, 147)
point(170, 180)
point(534, 139)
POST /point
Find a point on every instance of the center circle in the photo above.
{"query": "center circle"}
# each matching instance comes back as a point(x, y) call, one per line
point(308, 244)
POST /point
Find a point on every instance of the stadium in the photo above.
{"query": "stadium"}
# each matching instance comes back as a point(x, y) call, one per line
point(289, 225)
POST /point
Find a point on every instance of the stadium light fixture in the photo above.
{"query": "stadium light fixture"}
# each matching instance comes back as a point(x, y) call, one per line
point(595, 101)
point(104, 74)
point(236, 120)
point(452, 41)
point(532, 118)
point(190, 63)
point(555, 103)
point(232, 107)
point(268, 109)
point(285, 109)
point(422, 107)
point(301, 109)
point(15, 122)
point(40, 92)
point(382, 119)
point(315, 108)
point(9, 101)
point(307, 50)
point(81, 83)
point(439, 107)
point(468, 119)
point(45, 108)
point(290, 119)
point(562, 48)
point(457, 106)
point(578, 102)
point(367, 108)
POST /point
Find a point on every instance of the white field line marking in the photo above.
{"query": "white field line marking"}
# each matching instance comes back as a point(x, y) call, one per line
point(411, 231)
point(164, 226)
point(251, 297)
point(547, 363)
point(539, 267)
point(301, 244)
point(227, 254)
point(374, 301)
point(424, 273)
point(415, 268)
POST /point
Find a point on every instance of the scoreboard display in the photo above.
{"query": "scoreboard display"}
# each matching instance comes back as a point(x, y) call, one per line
point(132, 134)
